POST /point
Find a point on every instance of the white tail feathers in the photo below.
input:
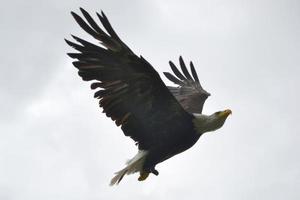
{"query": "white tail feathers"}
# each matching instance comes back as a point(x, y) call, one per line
point(133, 165)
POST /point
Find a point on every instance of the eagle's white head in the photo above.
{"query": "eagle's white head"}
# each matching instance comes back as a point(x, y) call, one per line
point(207, 123)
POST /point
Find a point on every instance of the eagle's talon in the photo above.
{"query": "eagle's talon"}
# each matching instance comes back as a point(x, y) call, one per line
point(143, 176)
point(155, 172)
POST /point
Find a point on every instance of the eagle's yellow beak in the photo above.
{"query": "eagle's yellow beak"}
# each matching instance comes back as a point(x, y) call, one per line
point(225, 113)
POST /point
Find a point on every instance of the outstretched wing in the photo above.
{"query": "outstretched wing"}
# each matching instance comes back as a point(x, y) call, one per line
point(131, 92)
point(190, 93)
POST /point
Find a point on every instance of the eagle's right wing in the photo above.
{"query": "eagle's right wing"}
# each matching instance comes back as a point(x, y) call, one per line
point(190, 93)
point(131, 92)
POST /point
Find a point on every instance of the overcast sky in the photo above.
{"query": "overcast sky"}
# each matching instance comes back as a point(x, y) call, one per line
point(55, 144)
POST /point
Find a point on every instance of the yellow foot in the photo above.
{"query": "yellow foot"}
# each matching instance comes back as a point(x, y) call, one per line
point(143, 176)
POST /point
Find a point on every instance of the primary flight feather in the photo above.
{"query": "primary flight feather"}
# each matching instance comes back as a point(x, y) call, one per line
point(163, 121)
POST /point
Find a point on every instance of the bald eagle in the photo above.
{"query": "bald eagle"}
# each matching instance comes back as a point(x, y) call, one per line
point(163, 121)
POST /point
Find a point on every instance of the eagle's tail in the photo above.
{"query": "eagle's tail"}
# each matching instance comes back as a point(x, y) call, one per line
point(133, 165)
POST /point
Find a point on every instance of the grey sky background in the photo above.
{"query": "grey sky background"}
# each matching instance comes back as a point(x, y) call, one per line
point(56, 144)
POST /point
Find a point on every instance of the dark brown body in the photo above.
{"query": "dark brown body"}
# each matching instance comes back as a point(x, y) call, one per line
point(172, 146)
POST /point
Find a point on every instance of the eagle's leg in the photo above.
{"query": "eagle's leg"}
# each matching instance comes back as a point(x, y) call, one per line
point(143, 175)
point(154, 171)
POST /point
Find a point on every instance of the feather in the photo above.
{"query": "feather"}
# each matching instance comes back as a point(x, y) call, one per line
point(84, 25)
point(101, 93)
point(76, 46)
point(184, 69)
point(89, 45)
point(86, 65)
point(95, 85)
point(110, 84)
point(107, 25)
point(91, 21)
point(173, 79)
point(194, 73)
point(87, 75)
point(176, 71)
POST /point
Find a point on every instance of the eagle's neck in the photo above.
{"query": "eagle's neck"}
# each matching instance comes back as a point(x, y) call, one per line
point(205, 123)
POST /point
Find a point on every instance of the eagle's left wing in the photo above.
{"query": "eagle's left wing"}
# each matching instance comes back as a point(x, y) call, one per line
point(190, 93)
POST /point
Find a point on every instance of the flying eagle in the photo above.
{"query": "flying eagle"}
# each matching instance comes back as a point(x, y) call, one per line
point(163, 121)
